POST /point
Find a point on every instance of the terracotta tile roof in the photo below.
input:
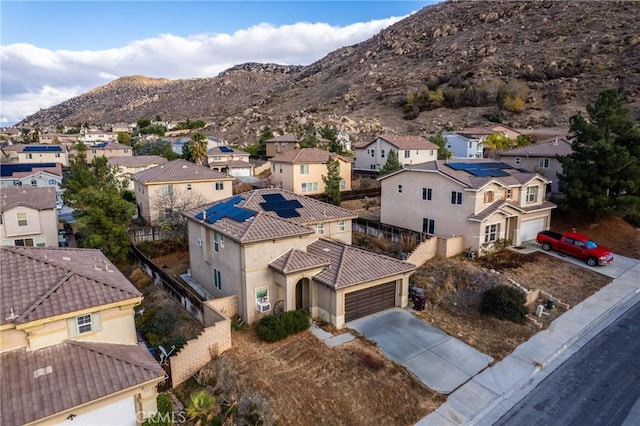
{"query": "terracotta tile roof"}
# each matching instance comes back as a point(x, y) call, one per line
point(73, 373)
point(484, 214)
point(287, 137)
point(548, 148)
point(498, 205)
point(307, 155)
point(350, 265)
point(267, 224)
point(517, 177)
point(42, 198)
point(296, 260)
point(177, 171)
point(137, 160)
point(38, 283)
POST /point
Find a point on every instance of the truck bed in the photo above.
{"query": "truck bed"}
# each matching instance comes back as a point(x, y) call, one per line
point(551, 234)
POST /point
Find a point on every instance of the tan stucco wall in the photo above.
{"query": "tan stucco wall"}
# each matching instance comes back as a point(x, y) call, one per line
point(12, 339)
point(227, 306)
point(92, 153)
point(40, 223)
point(44, 157)
point(291, 179)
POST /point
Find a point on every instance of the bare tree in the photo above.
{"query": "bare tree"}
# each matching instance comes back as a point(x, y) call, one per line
point(171, 202)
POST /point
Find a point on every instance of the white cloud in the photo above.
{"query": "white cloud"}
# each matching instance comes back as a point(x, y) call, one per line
point(34, 78)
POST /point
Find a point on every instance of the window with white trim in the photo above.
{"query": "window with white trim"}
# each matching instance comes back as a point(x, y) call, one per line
point(52, 181)
point(343, 184)
point(407, 153)
point(217, 279)
point(34, 182)
point(218, 241)
point(22, 219)
point(23, 242)
point(309, 186)
point(341, 225)
point(491, 232)
point(427, 193)
point(83, 324)
point(262, 294)
point(304, 169)
point(456, 197)
point(219, 186)
point(320, 228)
point(488, 196)
point(543, 163)
point(188, 187)
point(428, 226)
point(167, 190)
point(532, 194)
point(507, 193)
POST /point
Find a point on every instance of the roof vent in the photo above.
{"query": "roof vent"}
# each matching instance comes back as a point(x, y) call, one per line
point(12, 316)
point(326, 249)
point(42, 371)
point(66, 258)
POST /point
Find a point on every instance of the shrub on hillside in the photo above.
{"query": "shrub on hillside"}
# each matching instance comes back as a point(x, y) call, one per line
point(504, 302)
point(276, 327)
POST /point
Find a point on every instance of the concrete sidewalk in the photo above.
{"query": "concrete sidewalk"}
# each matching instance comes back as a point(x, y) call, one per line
point(489, 395)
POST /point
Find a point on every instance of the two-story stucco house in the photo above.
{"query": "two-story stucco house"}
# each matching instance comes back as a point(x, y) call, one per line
point(468, 143)
point(37, 153)
point(301, 170)
point(281, 144)
point(128, 166)
point(68, 347)
point(40, 175)
point(276, 250)
point(541, 157)
point(107, 149)
point(176, 186)
point(232, 161)
point(28, 217)
point(483, 201)
point(373, 155)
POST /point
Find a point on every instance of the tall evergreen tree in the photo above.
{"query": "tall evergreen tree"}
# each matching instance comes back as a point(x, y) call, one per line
point(332, 182)
point(443, 152)
point(602, 174)
point(392, 163)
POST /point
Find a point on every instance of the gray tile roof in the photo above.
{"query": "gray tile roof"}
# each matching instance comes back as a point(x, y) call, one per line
point(307, 156)
point(517, 177)
point(74, 373)
point(287, 137)
point(42, 198)
point(137, 160)
point(38, 283)
point(548, 148)
point(178, 171)
point(296, 260)
point(402, 142)
point(497, 205)
point(232, 164)
point(266, 225)
point(234, 151)
point(350, 265)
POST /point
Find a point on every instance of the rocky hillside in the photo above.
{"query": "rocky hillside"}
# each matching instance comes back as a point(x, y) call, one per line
point(555, 55)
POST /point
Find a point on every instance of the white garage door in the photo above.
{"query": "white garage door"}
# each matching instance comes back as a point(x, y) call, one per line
point(120, 413)
point(529, 229)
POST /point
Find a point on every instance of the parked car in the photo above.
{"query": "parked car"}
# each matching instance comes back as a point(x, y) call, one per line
point(577, 245)
point(59, 205)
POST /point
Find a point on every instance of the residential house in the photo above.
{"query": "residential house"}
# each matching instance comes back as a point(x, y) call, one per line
point(231, 161)
point(177, 185)
point(107, 149)
point(28, 217)
point(505, 130)
point(541, 158)
point(373, 155)
point(301, 170)
point(68, 347)
point(467, 143)
point(96, 136)
point(127, 166)
point(483, 201)
point(37, 153)
point(122, 128)
point(40, 175)
point(281, 144)
point(177, 144)
point(276, 250)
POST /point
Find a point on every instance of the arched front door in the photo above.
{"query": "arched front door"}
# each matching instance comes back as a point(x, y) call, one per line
point(302, 294)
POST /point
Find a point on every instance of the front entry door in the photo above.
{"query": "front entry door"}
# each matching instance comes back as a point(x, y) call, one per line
point(302, 294)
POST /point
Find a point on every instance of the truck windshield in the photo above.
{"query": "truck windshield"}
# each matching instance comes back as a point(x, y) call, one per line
point(591, 244)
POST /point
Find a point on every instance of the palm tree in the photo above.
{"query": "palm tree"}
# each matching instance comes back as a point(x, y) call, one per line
point(202, 408)
point(198, 148)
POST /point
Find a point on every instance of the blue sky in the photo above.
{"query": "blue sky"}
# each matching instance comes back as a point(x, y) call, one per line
point(51, 51)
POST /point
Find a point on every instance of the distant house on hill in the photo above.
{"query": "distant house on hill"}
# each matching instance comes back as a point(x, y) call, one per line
point(31, 174)
point(36, 153)
point(373, 155)
point(231, 161)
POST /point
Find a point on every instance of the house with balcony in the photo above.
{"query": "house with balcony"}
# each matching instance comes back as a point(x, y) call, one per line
point(129, 165)
point(279, 251)
point(301, 170)
point(36, 153)
point(39, 175)
point(373, 155)
point(541, 157)
point(231, 161)
point(162, 192)
point(69, 352)
point(483, 201)
point(28, 217)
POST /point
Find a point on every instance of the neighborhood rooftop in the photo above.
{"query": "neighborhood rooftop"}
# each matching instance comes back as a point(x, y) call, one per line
point(137, 160)
point(36, 198)
point(549, 148)
point(177, 170)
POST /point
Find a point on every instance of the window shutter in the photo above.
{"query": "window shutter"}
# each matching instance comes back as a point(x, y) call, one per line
point(96, 321)
point(72, 326)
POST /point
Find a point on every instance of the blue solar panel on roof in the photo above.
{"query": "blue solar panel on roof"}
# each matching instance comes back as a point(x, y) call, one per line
point(226, 209)
point(226, 149)
point(281, 206)
point(40, 148)
point(10, 169)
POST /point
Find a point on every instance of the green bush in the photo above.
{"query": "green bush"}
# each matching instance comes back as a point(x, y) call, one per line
point(164, 415)
point(504, 302)
point(277, 327)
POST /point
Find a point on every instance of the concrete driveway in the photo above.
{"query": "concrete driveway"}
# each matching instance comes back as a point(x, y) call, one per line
point(620, 265)
point(438, 360)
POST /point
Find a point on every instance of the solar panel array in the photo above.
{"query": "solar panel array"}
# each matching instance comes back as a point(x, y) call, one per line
point(226, 149)
point(282, 207)
point(226, 209)
point(9, 169)
point(40, 148)
point(490, 169)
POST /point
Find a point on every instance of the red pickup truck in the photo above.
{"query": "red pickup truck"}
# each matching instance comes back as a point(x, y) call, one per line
point(577, 245)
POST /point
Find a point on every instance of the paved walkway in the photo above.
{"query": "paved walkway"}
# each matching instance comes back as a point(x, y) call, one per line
point(490, 394)
point(442, 362)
